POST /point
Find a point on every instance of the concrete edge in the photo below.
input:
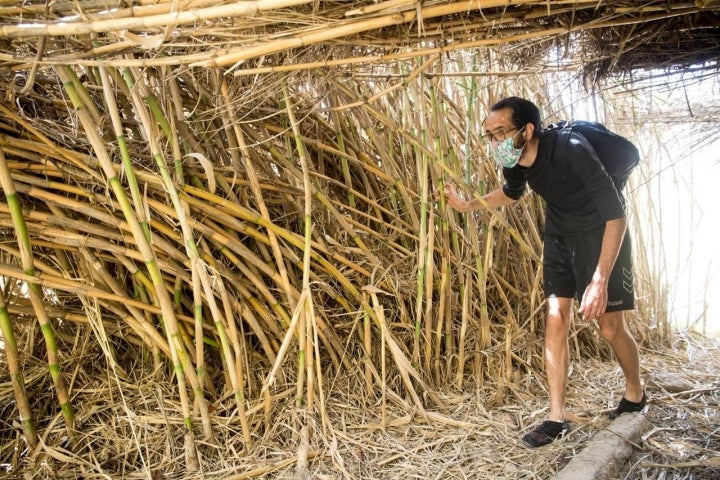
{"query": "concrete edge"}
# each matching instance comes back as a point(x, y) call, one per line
point(608, 451)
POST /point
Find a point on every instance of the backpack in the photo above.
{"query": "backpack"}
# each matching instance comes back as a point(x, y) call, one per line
point(617, 154)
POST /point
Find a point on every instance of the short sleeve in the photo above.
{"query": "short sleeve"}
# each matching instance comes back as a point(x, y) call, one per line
point(515, 183)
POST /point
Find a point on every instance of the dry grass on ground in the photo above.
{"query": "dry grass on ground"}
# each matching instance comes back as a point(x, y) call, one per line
point(468, 441)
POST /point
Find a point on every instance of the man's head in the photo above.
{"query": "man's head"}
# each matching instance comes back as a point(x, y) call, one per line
point(521, 113)
point(512, 125)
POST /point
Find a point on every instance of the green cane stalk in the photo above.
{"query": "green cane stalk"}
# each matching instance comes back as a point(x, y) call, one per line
point(422, 172)
point(36, 297)
point(179, 355)
point(128, 169)
point(304, 340)
point(198, 267)
point(16, 375)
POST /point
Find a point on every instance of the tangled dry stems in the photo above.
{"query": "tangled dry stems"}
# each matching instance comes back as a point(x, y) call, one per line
point(126, 429)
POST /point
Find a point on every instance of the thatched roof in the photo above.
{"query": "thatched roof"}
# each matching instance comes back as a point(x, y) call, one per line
point(264, 35)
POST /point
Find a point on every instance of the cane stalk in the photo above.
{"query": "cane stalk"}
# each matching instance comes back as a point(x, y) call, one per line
point(16, 375)
point(305, 350)
point(198, 268)
point(180, 361)
point(36, 298)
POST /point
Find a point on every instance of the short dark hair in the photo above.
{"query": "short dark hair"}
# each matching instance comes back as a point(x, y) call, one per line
point(523, 112)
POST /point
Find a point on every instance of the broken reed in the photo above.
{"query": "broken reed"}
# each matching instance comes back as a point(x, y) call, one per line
point(238, 229)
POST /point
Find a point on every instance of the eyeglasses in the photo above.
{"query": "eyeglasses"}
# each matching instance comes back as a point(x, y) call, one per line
point(499, 135)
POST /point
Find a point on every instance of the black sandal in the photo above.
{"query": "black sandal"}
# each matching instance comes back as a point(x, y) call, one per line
point(546, 433)
point(626, 406)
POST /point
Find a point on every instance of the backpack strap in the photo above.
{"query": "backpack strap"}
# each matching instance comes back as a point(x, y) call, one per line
point(562, 137)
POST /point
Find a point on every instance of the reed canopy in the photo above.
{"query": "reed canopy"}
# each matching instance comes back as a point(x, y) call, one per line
point(218, 214)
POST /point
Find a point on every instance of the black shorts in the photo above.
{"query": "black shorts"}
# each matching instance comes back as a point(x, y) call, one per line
point(570, 262)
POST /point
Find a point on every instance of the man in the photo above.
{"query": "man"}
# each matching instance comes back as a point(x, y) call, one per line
point(586, 253)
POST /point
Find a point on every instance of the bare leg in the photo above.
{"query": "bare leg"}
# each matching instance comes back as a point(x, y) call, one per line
point(614, 331)
point(557, 354)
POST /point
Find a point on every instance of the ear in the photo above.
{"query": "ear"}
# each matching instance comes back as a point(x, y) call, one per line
point(529, 131)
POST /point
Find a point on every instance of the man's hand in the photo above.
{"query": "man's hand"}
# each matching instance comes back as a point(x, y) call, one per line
point(453, 198)
point(494, 199)
point(594, 300)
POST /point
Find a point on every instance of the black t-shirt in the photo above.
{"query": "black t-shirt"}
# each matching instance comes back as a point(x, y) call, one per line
point(578, 193)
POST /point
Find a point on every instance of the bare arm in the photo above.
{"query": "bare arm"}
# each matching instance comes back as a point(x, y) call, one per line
point(594, 301)
point(496, 198)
